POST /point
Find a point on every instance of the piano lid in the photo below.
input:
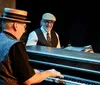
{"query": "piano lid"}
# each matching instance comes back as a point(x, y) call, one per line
point(65, 54)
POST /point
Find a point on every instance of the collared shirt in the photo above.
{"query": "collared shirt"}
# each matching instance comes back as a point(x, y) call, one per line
point(33, 39)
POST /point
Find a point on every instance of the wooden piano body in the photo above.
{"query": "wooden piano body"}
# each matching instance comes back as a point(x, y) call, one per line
point(74, 65)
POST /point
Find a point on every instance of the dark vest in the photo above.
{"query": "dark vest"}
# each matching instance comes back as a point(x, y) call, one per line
point(42, 41)
point(6, 73)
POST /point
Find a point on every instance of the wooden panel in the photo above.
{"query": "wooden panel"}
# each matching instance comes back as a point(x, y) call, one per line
point(7, 3)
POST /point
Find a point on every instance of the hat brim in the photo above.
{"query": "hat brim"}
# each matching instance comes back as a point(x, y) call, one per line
point(17, 20)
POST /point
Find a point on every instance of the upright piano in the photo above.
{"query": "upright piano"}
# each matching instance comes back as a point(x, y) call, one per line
point(78, 68)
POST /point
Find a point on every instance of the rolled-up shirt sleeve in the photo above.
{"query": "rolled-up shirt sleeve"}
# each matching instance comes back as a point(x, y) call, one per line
point(32, 39)
point(20, 63)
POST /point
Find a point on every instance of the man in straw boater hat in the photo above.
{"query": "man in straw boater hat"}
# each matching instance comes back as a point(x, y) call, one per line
point(45, 35)
point(14, 65)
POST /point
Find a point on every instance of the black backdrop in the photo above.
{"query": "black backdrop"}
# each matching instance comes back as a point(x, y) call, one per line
point(77, 22)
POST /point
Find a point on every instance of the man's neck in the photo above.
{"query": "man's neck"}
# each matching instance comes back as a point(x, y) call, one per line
point(12, 33)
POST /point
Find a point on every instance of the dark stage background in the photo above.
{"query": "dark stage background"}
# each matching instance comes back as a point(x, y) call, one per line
point(77, 22)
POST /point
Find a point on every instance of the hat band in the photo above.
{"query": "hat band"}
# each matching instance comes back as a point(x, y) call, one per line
point(15, 16)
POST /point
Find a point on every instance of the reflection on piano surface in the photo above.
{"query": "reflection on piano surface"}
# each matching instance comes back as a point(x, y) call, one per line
point(79, 68)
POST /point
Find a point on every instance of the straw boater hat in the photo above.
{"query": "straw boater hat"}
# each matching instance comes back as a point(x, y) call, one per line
point(48, 16)
point(15, 15)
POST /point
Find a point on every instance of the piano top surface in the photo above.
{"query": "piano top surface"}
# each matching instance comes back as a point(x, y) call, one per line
point(66, 54)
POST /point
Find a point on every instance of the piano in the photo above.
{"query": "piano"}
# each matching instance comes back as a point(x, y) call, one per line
point(78, 68)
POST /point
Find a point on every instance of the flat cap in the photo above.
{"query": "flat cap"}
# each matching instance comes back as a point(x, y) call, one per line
point(48, 16)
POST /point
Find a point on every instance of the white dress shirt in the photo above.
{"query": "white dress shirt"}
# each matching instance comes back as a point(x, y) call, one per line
point(33, 39)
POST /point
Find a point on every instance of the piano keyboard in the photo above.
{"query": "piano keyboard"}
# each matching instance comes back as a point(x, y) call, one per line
point(70, 80)
point(65, 82)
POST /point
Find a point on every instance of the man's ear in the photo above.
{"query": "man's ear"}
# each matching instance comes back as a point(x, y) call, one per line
point(15, 26)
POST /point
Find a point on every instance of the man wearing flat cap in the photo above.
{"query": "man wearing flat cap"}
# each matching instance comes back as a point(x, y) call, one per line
point(44, 35)
point(14, 65)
